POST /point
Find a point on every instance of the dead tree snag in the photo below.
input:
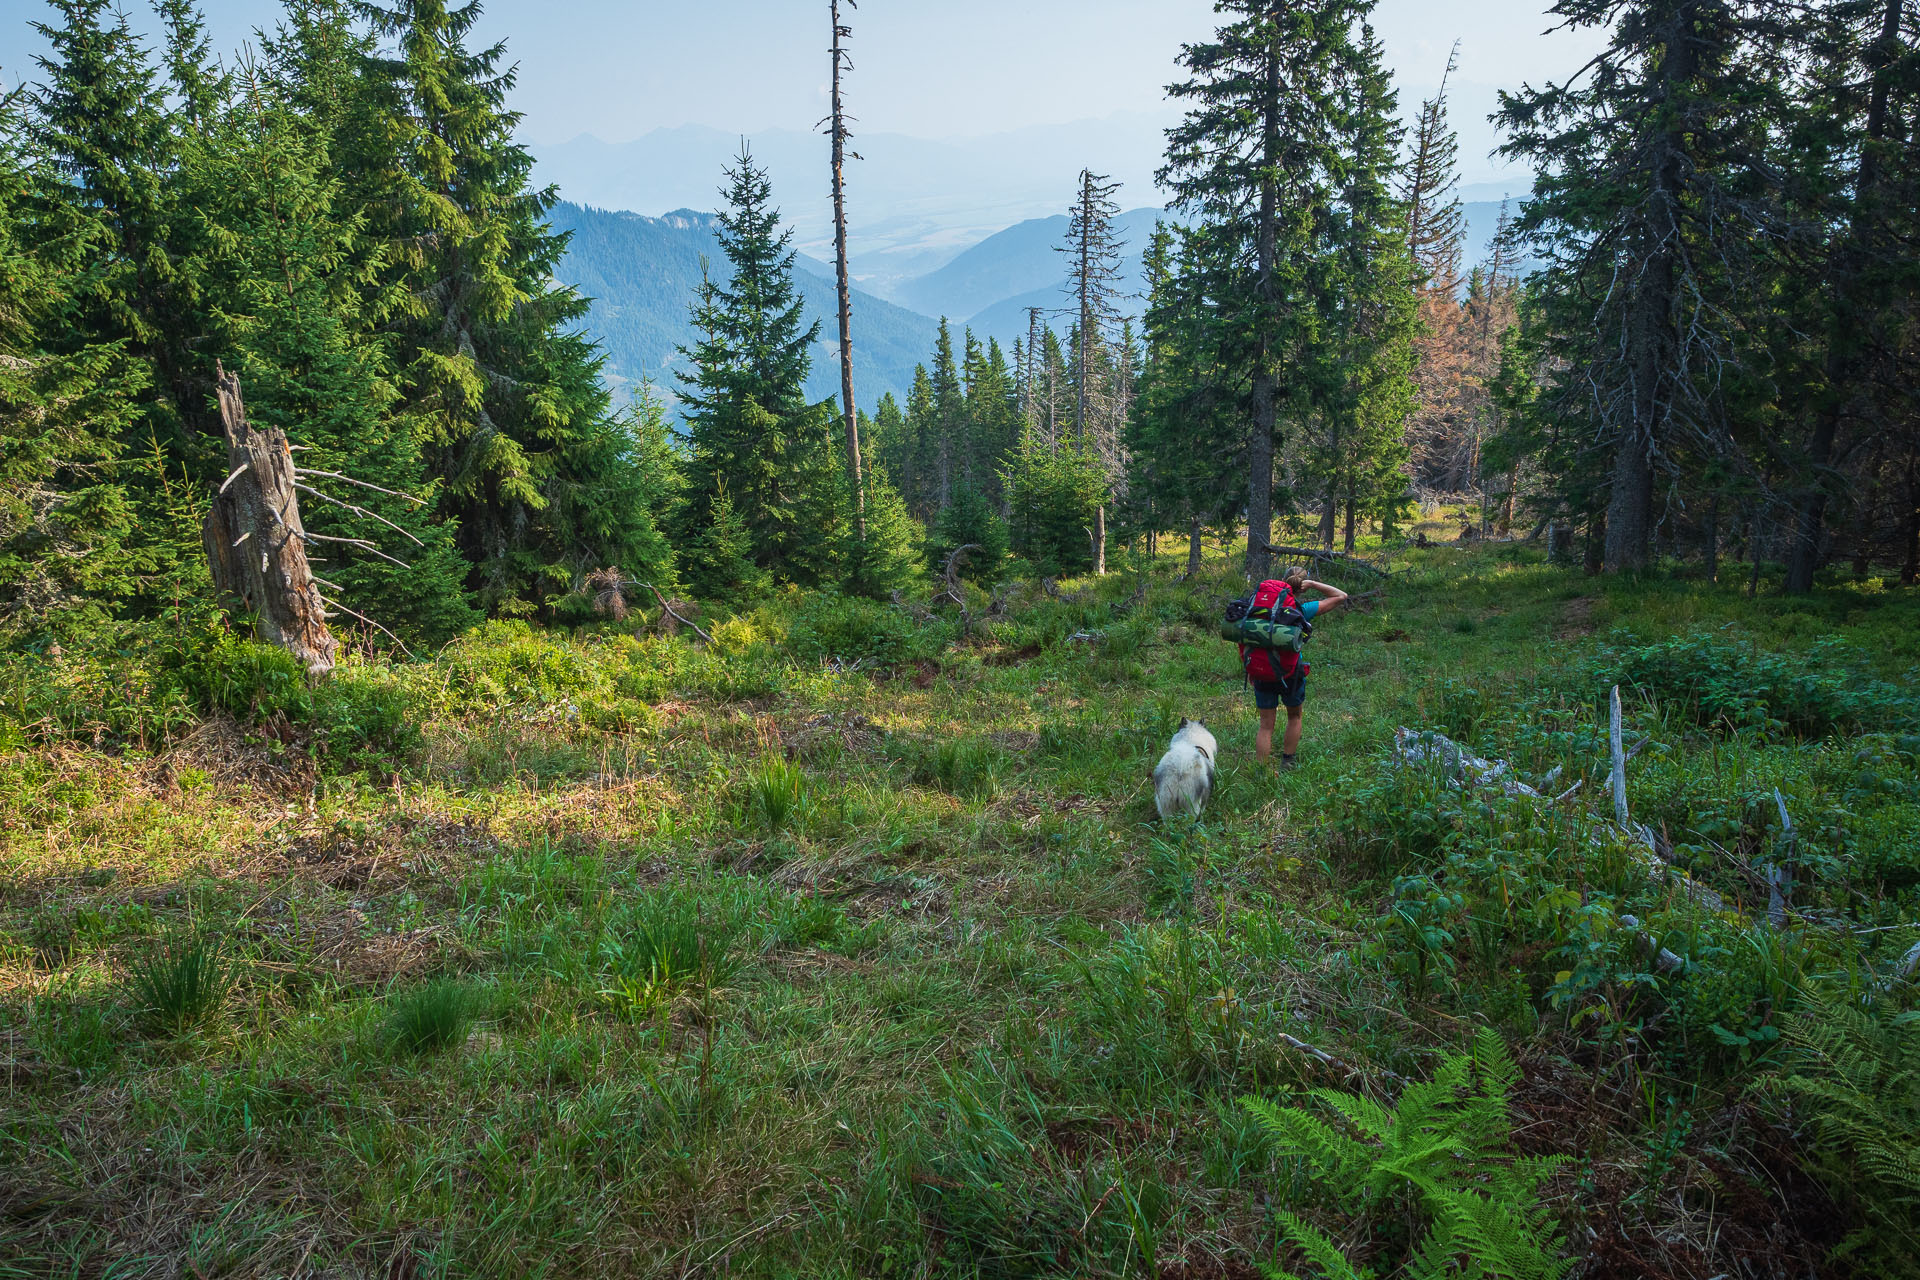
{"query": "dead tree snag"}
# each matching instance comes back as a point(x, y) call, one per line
point(255, 543)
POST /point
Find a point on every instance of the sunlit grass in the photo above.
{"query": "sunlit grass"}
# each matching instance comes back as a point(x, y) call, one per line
point(733, 949)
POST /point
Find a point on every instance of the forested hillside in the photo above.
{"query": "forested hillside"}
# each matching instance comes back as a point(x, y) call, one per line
point(524, 756)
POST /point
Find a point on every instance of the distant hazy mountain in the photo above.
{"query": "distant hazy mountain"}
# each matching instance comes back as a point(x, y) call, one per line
point(642, 272)
point(1017, 261)
point(911, 201)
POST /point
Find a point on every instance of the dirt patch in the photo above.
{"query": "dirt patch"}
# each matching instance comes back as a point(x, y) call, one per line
point(1209, 1269)
point(1730, 1203)
point(1013, 657)
point(1576, 618)
point(1394, 635)
point(1076, 1138)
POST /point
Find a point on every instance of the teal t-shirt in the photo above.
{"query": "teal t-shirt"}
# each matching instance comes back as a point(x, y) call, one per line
point(1308, 608)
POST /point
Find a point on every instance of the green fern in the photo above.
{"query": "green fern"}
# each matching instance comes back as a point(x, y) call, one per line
point(1857, 1077)
point(1441, 1155)
point(1320, 1249)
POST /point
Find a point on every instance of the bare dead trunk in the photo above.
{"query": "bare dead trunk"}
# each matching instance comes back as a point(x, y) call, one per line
point(1910, 571)
point(1193, 548)
point(1596, 542)
point(1329, 518)
point(1352, 516)
point(255, 542)
point(839, 127)
point(1100, 540)
point(1713, 539)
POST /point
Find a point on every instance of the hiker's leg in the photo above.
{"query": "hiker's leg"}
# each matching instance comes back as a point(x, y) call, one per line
point(1263, 741)
point(1291, 743)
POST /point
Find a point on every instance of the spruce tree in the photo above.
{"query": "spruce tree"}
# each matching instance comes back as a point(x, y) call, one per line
point(1436, 232)
point(969, 520)
point(1093, 251)
point(749, 424)
point(286, 274)
point(1368, 312)
point(1054, 492)
point(492, 364)
point(70, 546)
point(105, 148)
point(1652, 210)
point(1187, 437)
point(1858, 149)
point(947, 419)
point(892, 557)
point(1259, 156)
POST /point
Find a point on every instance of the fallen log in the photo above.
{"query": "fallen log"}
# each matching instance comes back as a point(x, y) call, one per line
point(1467, 770)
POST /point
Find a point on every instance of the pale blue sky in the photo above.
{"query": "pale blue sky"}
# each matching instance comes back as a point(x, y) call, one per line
point(931, 68)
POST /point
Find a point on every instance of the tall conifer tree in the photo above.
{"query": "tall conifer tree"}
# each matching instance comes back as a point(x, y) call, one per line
point(1259, 156)
point(519, 429)
point(750, 426)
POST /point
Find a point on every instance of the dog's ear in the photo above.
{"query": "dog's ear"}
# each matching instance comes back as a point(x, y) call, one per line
point(1184, 722)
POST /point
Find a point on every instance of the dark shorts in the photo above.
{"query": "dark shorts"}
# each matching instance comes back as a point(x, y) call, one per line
point(1269, 694)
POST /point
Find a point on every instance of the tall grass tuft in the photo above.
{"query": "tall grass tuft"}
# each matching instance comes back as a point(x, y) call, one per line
point(181, 982)
point(777, 792)
point(960, 767)
point(670, 949)
point(431, 1017)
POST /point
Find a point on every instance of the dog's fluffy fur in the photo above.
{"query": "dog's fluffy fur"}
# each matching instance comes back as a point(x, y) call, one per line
point(1183, 779)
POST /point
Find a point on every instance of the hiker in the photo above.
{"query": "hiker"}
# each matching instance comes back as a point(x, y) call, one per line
point(1280, 678)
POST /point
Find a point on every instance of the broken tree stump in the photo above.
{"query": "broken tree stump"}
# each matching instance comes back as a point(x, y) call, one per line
point(255, 542)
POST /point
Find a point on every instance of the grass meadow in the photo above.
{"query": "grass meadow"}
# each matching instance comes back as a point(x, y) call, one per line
point(850, 945)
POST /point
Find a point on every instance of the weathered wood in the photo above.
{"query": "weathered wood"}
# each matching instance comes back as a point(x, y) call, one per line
point(255, 543)
point(1316, 553)
point(1618, 773)
point(842, 62)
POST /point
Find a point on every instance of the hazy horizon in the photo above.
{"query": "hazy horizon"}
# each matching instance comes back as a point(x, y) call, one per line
point(620, 71)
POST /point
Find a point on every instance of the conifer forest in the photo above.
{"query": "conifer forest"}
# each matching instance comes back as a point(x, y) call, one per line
point(467, 814)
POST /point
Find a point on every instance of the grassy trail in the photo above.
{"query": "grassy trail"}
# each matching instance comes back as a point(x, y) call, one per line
point(647, 960)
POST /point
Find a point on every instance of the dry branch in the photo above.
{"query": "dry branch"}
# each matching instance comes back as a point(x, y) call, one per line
point(358, 510)
point(1316, 553)
point(369, 621)
point(392, 493)
point(362, 543)
point(683, 621)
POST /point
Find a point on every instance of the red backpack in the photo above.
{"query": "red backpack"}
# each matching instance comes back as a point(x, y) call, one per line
point(1266, 664)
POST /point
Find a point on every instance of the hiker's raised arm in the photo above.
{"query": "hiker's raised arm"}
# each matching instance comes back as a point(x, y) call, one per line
point(1332, 600)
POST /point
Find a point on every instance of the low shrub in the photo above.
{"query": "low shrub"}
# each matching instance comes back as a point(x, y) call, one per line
point(504, 664)
point(1811, 692)
point(849, 629)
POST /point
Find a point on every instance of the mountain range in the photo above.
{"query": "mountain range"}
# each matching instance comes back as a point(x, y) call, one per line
point(641, 274)
point(913, 202)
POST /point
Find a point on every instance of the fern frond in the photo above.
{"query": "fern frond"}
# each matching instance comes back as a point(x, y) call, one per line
point(1320, 1249)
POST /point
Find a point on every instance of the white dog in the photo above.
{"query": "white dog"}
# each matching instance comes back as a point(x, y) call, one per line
point(1184, 777)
